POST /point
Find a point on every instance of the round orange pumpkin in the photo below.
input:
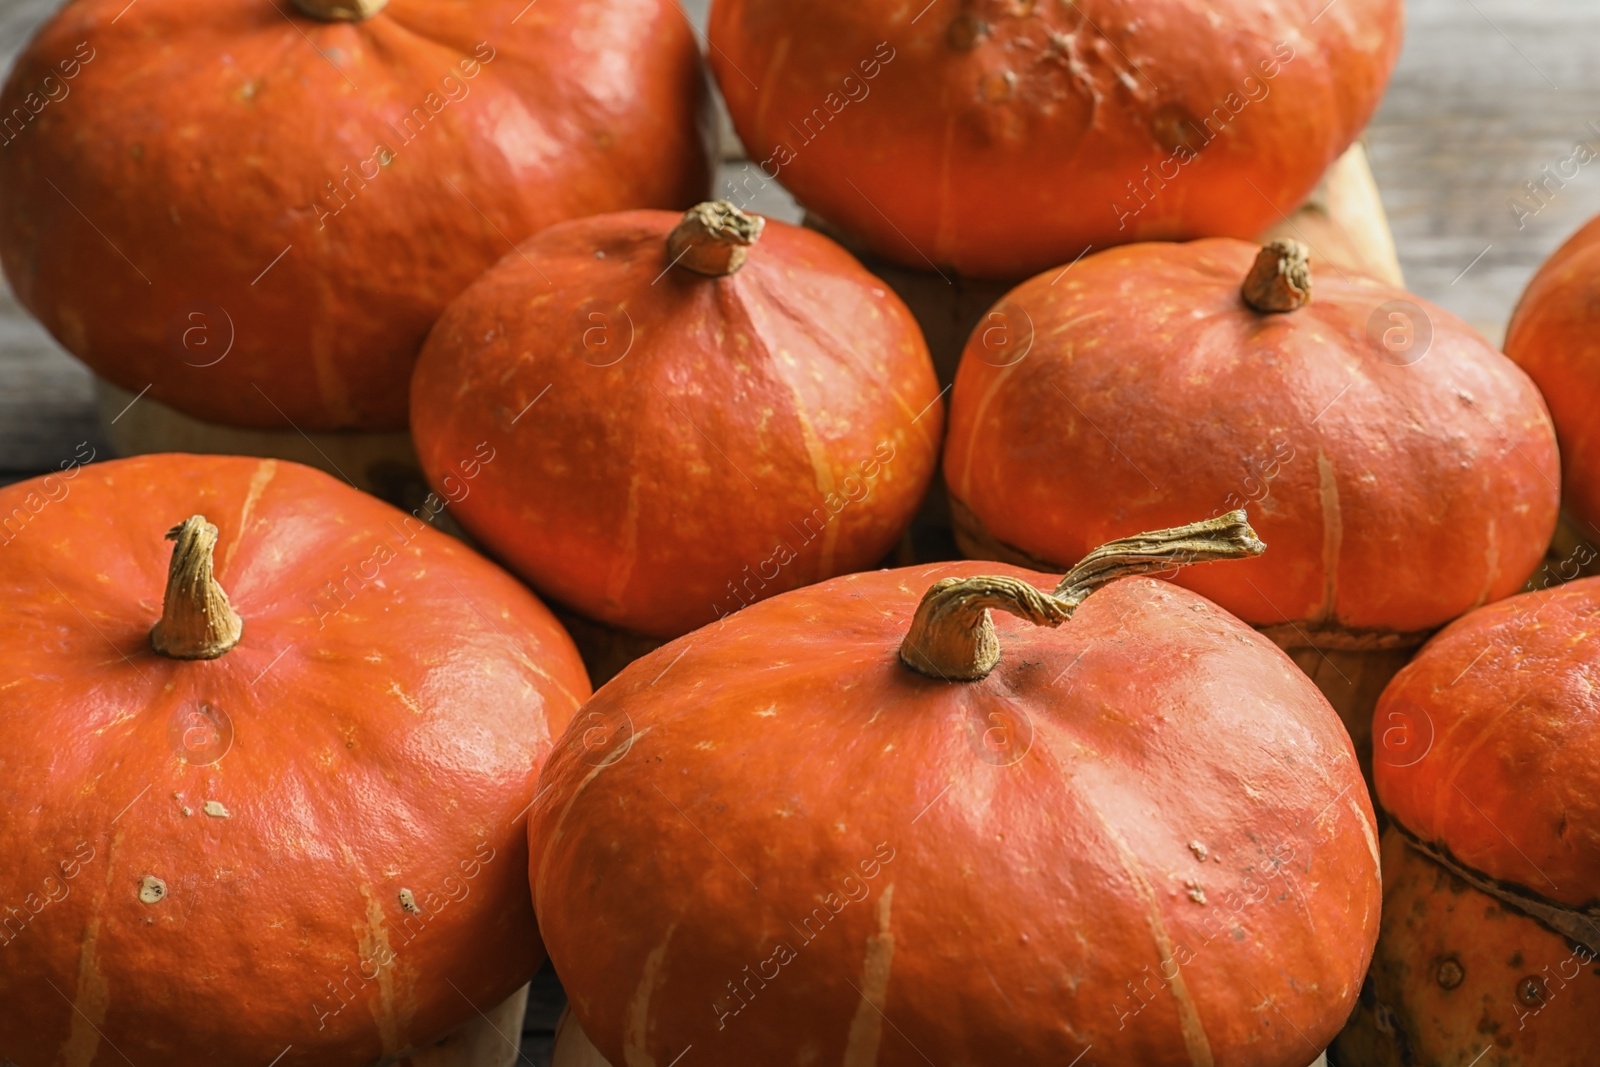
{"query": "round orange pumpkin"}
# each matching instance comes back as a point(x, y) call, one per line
point(257, 211)
point(1000, 138)
point(698, 413)
point(1488, 764)
point(863, 822)
point(1402, 469)
point(1552, 336)
point(281, 810)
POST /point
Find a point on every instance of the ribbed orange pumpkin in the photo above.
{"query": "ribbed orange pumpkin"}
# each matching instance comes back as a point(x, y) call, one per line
point(863, 823)
point(1001, 138)
point(305, 837)
point(1402, 469)
point(698, 413)
point(1555, 337)
point(258, 210)
point(1488, 763)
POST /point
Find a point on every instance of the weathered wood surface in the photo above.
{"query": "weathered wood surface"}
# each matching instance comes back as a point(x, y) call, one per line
point(1488, 95)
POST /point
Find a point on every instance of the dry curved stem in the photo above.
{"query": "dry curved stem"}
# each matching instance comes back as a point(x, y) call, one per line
point(1224, 537)
point(340, 10)
point(197, 621)
point(952, 635)
point(714, 238)
point(1280, 279)
point(1578, 925)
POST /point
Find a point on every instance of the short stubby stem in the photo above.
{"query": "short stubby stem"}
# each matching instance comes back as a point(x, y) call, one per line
point(952, 635)
point(1280, 279)
point(197, 621)
point(714, 238)
point(341, 10)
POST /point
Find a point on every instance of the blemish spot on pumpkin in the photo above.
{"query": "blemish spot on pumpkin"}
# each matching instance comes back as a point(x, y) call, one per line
point(1196, 892)
point(966, 31)
point(1199, 850)
point(152, 890)
point(216, 810)
point(1000, 86)
point(408, 902)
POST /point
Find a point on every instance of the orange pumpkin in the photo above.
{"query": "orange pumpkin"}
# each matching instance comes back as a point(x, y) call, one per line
point(1403, 470)
point(1488, 764)
point(1552, 336)
point(282, 811)
point(257, 211)
point(863, 822)
point(698, 413)
point(1002, 138)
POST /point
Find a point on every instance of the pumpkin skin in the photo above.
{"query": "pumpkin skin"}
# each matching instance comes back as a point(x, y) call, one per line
point(392, 744)
point(1511, 743)
point(200, 141)
point(677, 445)
point(1487, 753)
point(1450, 979)
point(1005, 866)
point(1552, 337)
point(1034, 124)
point(1408, 489)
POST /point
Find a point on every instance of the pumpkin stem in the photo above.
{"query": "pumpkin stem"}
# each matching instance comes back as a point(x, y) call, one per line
point(714, 238)
point(197, 622)
point(341, 10)
point(952, 635)
point(1280, 279)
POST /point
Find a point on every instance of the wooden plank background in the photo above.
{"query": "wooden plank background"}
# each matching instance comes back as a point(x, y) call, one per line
point(1488, 94)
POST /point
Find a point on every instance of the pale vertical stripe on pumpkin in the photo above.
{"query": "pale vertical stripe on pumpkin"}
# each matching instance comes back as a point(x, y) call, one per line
point(628, 551)
point(1195, 1040)
point(964, 483)
point(822, 478)
point(373, 941)
point(1491, 557)
point(1332, 534)
point(260, 478)
point(1368, 831)
point(556, 831)
point(637, 1035)
point(91, 1000)
point(866, 1029)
